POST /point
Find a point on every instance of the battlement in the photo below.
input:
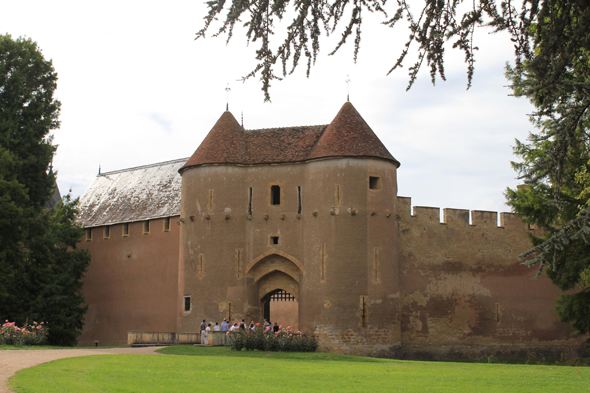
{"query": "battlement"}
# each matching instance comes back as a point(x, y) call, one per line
point(458, 217)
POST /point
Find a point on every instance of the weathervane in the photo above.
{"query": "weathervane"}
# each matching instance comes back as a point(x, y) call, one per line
point(227, 89)
point(347, 88)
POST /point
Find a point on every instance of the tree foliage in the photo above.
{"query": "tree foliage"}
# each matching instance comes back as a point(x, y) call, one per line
point(434, 25)
point(40, 268)
point(555, 161)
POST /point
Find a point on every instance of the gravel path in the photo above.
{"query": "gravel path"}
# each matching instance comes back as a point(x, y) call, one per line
point(13, 360)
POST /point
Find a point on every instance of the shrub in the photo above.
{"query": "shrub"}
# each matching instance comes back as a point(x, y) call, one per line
point(531, 359)
point(266, 340)
point(35, 334)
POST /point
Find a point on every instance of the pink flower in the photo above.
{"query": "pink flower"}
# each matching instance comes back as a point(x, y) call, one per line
point(298, 332)
point(280, 326)
point(288, 327)
point(290, 335)
point(256, 324)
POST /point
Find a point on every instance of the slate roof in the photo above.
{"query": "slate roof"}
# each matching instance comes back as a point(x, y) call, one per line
point(348, 135)
point(133, 194)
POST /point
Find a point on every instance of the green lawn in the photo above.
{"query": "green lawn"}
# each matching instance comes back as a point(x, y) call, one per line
point(219, 369)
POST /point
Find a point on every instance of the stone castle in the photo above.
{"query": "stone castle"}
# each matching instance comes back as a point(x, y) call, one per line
point(309, 216)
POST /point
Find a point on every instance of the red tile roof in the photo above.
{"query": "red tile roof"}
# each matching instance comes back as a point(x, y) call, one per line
point(347, 136)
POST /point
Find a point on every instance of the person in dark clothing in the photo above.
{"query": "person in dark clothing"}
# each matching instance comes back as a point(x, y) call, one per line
point(203, 332)
point(275, 328)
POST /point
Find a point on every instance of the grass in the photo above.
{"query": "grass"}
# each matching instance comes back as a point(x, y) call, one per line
point(203, 369)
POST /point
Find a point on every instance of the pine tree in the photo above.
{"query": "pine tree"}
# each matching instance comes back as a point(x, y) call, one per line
point(539, 29)
point(40, 268)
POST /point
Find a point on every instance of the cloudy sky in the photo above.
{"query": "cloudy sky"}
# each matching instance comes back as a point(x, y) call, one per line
point(136, 89)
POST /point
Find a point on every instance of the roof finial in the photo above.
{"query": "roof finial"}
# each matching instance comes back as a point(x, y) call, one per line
point(227, 89)
point(347, 88)
point(242, 119)
point(99, 168)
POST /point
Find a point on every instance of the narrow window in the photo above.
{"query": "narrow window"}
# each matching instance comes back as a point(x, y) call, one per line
point(299, 199)
point(88, 234)
point(146, 227)
point(375, 183)
point(167, 224)
point(323, 262)
point(106, 233)
point(126, 229)
point(239, 262)
point(363, 310)
point(274, 240)
point(187, 303)
point(275, 195)
point(250, 201)
point(229, 312)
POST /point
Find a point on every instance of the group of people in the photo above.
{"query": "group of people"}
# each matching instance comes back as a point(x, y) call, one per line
point(228, 327)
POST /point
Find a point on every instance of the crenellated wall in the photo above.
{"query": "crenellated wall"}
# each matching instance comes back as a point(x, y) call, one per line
point(464, 291)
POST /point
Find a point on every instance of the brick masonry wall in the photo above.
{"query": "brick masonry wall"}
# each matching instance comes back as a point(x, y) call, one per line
point(462, 284)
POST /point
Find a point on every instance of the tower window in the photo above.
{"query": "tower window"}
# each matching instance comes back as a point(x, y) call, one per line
point(88, 234)
point(167, 224)
point(187, 303)
point(250, 201)
point(274, 240)
point(375, 183)
point(126, 229)
point(106, 232)
point(146, 227)
point(275, 195)
point(299, 199)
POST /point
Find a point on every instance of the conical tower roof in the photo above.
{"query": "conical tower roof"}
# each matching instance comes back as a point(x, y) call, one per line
point(224, 144)
point(350, 136)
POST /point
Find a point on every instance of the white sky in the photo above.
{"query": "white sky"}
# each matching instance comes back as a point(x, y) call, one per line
point(137, 89)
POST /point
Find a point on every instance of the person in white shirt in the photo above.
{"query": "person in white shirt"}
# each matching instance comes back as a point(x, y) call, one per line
point(216, 327)
point(207, 330)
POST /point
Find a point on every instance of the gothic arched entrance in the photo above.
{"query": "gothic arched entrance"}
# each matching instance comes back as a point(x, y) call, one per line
point(276, 275)
point(281, 307)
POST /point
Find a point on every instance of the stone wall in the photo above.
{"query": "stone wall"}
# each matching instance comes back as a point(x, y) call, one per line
point(335, 250)
point(132, 281)
point(463, 285)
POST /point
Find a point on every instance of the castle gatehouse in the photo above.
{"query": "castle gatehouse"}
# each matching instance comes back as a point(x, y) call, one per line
point(304, 224)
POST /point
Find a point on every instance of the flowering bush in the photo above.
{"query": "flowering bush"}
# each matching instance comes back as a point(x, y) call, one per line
point(34, 334)
point(266, 340)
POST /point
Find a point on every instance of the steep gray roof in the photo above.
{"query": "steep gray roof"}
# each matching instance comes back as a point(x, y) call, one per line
point(133, 194)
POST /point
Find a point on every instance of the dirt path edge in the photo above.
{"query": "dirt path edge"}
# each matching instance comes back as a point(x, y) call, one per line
point(12, 361)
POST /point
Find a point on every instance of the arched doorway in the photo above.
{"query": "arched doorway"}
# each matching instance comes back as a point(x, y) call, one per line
point(281, 307)
point(276, 275)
